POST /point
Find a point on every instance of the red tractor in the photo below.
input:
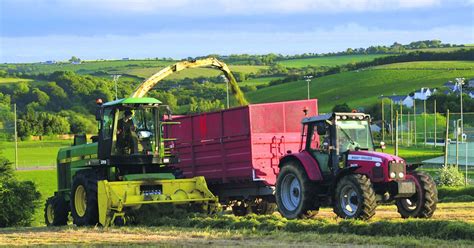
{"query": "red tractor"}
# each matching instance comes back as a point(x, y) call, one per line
point(337, 165)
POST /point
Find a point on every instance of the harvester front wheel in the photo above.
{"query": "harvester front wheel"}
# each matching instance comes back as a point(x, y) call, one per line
point(423, 203)
point(84, 208)
point(295, 193)
point(355, 198)
point(56, 211)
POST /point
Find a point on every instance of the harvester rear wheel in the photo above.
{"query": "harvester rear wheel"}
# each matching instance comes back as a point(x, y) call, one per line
point(56, 211)
point(423, 203)
point(84, 208)
point(355, 198)
point(295, 193)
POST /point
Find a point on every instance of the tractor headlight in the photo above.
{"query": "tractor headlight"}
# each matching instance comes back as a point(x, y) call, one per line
point(401, 175)
point(392, 175)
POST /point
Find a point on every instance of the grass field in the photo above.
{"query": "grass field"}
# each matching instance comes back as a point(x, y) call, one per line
point(13, 80)
point(189, 73)
point(359, 88)
point(328, 60)
point(443, 65)
point(258, 81)
point(34, 153)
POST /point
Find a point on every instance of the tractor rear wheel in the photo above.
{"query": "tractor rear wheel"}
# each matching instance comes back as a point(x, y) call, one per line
point(295, 193)
point(423, 203)
point(84, 208)
point(56, 211)
point(355, 198)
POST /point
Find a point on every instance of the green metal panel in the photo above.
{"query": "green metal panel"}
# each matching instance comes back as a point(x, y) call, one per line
point(70, 160)
point(150, 176)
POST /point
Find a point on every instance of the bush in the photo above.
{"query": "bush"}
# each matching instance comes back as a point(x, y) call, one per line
point(450, 176)
point(18, 199)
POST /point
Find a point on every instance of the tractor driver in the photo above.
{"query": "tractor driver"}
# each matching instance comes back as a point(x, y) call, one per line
point(127, 139)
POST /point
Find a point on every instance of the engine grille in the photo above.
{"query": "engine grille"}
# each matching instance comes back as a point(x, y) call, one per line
point(397, 168)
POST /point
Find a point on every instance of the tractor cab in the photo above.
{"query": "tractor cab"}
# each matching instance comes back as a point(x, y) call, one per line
point(330, 138)
point(131, 132)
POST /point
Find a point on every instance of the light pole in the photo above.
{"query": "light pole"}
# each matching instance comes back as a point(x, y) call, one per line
point(308, 80)
point(460, 82)
point(116, 78)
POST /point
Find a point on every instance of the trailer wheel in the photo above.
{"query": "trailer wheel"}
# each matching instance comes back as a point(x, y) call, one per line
point(295, 193)
point(355, 198)
point(423, 203)
point(84, 208)
point(56, 211)
point(262, 206)
point(240, 208)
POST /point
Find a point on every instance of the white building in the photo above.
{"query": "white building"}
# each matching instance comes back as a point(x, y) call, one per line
point(423, 93)
point(402, 100)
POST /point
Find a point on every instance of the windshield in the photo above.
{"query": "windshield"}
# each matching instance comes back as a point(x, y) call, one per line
point(136, 131)
point(354, 134)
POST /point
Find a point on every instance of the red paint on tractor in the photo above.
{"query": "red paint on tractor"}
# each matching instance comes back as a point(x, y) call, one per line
point(367, 160)
point(240, 144)
point(309, 163)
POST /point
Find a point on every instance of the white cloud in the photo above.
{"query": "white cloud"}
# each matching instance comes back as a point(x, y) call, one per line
point(195, 43)
point(218, 7)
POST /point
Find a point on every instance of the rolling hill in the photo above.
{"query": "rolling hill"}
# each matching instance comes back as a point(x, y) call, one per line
point(362, 88)
point(328, 60)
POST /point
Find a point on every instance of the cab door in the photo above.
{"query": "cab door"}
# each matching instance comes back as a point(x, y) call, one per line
point(106, 133)
point(318, 145)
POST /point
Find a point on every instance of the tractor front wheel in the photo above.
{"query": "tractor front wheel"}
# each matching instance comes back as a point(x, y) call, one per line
point(423, 203)
point(355, 198)
point(56, 211)
point(84, 208)
point(295, 193)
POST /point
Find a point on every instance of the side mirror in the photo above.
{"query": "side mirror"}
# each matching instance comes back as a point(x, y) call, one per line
point(98, 114)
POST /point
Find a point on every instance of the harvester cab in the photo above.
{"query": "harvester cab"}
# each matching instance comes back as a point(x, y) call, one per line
point(128, 165)
point(337, 164)
point(131, 133)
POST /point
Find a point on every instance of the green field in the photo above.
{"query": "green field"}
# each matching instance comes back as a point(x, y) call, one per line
point(188, 73)
point(442, 65)
point(258, 81)
point(13, 80)
point(328, 60)
point(360, 88)
point(34, 153)
point(46, 182)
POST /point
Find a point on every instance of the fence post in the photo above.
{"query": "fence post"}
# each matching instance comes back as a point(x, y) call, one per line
point(396, 134)
point(424, 114)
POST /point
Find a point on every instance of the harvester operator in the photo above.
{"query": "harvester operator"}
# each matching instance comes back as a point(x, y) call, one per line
point(127, 139)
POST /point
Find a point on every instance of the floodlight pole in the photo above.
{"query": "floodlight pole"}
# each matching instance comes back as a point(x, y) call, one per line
point(308, 80)
point(460, 81)
point(16, 139)
point(115, 78)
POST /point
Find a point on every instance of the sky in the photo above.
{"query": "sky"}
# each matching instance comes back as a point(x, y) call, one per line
point(40, 30)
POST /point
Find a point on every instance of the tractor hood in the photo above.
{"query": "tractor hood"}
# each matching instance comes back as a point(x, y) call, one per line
point(372, 156)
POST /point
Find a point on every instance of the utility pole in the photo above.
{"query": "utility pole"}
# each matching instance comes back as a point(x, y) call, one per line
point(383, 121)
point(446, 140)
point(16, 139)
point(460, 82)
point(414, 118)
point(308, 80)
point(424, 113)
point(116, 78)
point(227, 92)
point(435, 117)
point(401, 122)
point(396, 134)
point(391, 119)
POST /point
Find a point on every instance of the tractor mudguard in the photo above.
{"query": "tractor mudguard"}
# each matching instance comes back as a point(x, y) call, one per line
point(309, 164)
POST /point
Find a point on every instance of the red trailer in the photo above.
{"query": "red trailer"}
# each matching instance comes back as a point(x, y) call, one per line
point(238, 150)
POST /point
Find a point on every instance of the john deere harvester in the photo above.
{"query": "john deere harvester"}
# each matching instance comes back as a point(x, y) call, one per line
point(128, 164)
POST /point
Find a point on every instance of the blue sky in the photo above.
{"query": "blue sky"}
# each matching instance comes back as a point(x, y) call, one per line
point(39, 30)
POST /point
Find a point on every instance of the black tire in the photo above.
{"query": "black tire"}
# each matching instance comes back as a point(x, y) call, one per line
point(240, 208)
point(355, 198)
point(56, 211)
point(423, 203)
point(86, 179)
point(298, 201)
point(263, 207)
